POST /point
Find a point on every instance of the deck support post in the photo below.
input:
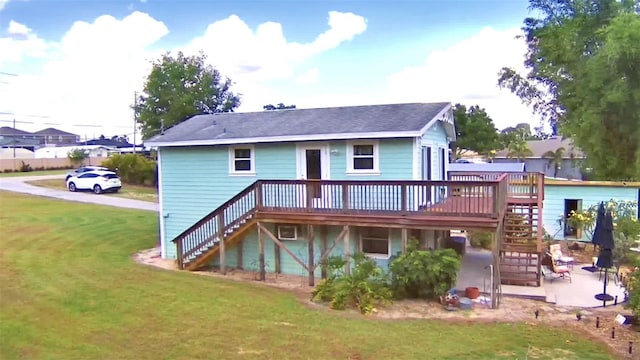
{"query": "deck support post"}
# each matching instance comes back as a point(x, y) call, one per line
point(311, 259)
point(223, 265)
point(261, 269)
point(277, 260)
point(323, 250)
point(347, 250)
point(404, 236)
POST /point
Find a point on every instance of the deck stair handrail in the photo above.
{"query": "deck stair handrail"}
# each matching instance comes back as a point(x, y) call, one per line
point(208, 231)
point(473, 198)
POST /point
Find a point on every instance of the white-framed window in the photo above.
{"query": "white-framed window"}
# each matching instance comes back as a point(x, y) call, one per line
point(375, 242)
point(287, 232)
point(242, 160)
point(363, 157)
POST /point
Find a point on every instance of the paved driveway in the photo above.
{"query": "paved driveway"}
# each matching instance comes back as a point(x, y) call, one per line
point(17, 184)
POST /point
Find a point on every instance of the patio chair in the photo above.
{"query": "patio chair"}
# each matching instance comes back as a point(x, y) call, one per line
point(559, 257)
point(560, 271)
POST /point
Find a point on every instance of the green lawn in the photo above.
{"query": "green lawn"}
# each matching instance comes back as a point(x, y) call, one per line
point(34, 173)
point(69, 290)
point(136, 192)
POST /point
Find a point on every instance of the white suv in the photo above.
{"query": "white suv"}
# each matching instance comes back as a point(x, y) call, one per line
point(97, 181)
point(84, 169)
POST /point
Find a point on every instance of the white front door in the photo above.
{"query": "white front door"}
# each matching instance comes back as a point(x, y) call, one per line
point(313, 164)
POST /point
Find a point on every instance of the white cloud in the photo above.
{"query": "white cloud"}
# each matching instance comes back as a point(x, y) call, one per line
point(89, 76)
point(266, 54)
point(18, 29)
point(308, 77)
point(3, 3)
point(467, 72)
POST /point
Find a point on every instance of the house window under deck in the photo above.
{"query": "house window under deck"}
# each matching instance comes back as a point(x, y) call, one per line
point(375, 242)
point(241, 160)
point(363, 158)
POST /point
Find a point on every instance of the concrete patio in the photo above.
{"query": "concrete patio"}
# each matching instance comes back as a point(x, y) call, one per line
point(579, 292)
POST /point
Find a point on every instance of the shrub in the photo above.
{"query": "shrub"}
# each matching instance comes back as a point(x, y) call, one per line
point(633, 287)
point(365, 288)
point(24, 167)
point(422, 273)
point(133, 168)
point(481, 239)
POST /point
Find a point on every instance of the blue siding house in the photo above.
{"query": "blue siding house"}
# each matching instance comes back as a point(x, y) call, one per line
point(563, 196)
point(279, 191)
point(208, 159)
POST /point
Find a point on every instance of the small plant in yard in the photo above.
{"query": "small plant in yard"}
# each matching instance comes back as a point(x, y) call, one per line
point(424, 274)
point(633, 287)
point(365, 288)
point(77, 156)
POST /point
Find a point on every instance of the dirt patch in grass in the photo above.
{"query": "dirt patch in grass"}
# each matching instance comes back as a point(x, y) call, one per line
point(512, 310)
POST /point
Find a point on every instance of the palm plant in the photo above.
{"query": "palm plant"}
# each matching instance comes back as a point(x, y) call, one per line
point(555, 159)
point(519, 149)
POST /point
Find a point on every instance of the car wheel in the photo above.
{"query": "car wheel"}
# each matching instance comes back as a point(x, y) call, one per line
point(97, 189)
point(72, 187)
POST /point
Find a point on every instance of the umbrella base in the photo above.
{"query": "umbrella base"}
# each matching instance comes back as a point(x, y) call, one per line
point(604, 297)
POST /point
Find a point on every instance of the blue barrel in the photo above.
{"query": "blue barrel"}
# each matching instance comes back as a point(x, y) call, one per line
point(465, 303)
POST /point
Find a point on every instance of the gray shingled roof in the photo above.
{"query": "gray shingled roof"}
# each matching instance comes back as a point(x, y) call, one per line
point(6, 130)
point(53, 132)
point(539, 147)
point(225, 127)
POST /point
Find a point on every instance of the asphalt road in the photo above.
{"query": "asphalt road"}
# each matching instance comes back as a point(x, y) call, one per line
point(17, 184)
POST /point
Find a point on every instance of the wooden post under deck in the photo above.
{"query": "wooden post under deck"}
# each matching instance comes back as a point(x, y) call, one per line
point(277, 260)
point(311, 259)
point(347, 251)
point(263, 275)
point(223, 265)
point(404, 236)
point(323, 249)
point(282, 246)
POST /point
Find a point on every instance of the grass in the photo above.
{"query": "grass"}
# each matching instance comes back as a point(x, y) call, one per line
point(34, 173)
point(136, 192)
point(69, 290)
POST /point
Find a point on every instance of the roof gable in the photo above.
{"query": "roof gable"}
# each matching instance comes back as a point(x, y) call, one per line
point(371, 121)
point(6, 130)
point(53, 132)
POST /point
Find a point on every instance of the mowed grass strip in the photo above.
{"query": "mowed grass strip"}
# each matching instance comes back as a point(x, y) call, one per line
point(137, 192)
point(34, 173)
point(70, 290)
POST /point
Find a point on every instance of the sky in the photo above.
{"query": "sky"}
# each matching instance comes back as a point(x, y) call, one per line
point(76, 64)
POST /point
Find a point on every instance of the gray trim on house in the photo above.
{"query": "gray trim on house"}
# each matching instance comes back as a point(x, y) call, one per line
point(392, 120)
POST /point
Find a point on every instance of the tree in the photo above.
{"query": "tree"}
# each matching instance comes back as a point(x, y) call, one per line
point(475, 131)
point(584, 78)
point(280, 106)
point(77, 156)
point(518, 149)
point(555, 159)
point(178, 88)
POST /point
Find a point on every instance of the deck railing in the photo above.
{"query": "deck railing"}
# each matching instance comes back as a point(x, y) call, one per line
point(458, 198)
point(520, 185)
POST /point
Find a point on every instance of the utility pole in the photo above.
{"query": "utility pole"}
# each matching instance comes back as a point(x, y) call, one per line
point(135, 118)
point(14, 139)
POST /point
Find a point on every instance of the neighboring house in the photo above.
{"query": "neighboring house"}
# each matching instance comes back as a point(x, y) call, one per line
point(52, 136)
point(313, 183)
point(563, 196)
point(107, 142)
point(56, 152)
point(11, 137)
point(567, 168)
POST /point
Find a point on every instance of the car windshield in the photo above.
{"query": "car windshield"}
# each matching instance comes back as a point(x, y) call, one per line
point(110, 176)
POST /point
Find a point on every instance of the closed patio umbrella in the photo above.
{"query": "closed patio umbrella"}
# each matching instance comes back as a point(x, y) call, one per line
point(597, 230)
point(604, 238)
